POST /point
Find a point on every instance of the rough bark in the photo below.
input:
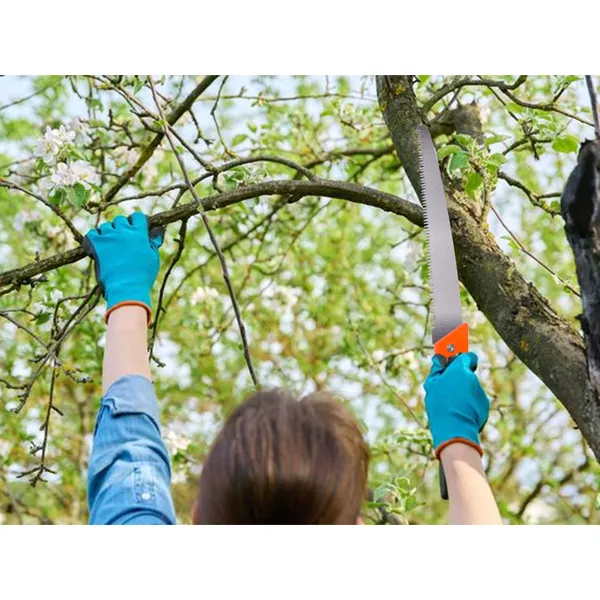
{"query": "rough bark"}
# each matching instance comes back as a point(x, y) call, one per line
point(546, 343)
point(580, 208)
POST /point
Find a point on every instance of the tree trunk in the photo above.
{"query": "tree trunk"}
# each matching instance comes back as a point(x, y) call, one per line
point(546, 343)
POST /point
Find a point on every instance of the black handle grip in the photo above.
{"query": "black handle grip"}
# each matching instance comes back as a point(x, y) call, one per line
point(443, 484)
point(442, 475)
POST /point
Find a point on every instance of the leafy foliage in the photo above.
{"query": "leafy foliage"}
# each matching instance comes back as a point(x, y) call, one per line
point(333, 294)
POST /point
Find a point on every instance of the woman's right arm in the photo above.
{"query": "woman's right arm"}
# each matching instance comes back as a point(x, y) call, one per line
point(458, 409)
point(471, 499)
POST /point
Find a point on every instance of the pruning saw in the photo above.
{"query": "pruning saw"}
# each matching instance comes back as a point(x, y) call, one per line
point(450, 335)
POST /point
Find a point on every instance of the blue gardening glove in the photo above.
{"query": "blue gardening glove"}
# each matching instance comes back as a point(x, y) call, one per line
point(456, 404)
point(126, 258)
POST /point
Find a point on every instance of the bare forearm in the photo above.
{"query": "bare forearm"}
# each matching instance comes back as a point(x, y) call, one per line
point(471, 499)
point(126, 350)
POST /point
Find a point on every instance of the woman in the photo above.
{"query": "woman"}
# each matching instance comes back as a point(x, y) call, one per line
point(277, 460)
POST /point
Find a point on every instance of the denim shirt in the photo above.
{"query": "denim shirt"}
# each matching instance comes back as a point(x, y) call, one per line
point(129, 476)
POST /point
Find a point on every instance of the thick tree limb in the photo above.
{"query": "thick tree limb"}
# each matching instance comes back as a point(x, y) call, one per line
point(298, 189)
point(545, 342)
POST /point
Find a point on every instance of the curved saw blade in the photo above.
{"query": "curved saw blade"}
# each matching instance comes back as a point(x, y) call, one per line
point(443, 276)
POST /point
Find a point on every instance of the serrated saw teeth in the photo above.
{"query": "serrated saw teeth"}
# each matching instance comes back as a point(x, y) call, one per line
point(443, 277)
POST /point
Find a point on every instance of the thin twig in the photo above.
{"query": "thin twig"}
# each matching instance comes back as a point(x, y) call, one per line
point(45, 427)
point(12, 386)
point(467, 81)
point(213, 114)
point(82, 311)
point(213, 239)
point(381, 376)
point(536, 199)
point(528, 253)
point(32, 95)
point(26, 329)
point(159, 307)
point(148, 150)
point(53, 207)
point(228, 246)
point(272, 99)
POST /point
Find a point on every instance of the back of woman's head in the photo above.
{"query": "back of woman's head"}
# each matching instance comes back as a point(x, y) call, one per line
point(279, 460)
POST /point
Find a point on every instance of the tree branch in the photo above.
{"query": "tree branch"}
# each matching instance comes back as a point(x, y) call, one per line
point(53, 207)
point(148, 150)
point(298, 189)
point(213, 239)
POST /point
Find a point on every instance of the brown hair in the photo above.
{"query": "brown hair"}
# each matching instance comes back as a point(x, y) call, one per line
point(283, 461)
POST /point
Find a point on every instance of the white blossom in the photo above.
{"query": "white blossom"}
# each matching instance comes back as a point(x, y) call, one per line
point(84, 173)
point(203, 294)
point(53, 142)
point(79, 127)
point(68, 175)
point(287, 293)
point(378, 355)
point(63, 175)
point(176, 442)
point(56, 295)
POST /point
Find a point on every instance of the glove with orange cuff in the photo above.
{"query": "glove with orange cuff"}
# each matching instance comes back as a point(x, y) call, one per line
point(456, 404)
point(125, 252)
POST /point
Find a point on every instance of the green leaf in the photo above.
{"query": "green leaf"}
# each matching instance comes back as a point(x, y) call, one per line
point(448, 150)
point(252, 127)
point(238, 139)
point(511, 242)
point(474, 181)
point(77, 195)
point(75, 153)
point(94, 103)
point(138, 85)
point(382, 490)
point(566, 144)
point(82, 194)
point(495, 161)
point(57, 196)
point(460, 160)
point(42, 318)
point(40, 166)
point(495, 139)
point(71, 195)
point(515, 108)
point(376, 504)
point(465, 140)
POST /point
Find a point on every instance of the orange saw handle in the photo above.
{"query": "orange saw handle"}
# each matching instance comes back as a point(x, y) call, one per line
point(456, 342)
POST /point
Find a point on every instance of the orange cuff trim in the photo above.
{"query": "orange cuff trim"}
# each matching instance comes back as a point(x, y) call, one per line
point(128, 303)
point(439, 449)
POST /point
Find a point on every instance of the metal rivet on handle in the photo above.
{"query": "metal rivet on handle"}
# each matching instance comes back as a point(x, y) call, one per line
point(450, 348)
